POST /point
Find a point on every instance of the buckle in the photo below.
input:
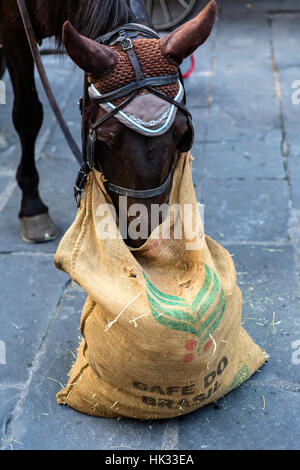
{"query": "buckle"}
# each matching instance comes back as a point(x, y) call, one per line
point(127, 44)
point(80, 184)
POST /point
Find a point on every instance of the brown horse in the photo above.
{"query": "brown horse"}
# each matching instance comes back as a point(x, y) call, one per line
point(127, 158)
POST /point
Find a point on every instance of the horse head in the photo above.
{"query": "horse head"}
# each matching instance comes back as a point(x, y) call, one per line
point(136, 147)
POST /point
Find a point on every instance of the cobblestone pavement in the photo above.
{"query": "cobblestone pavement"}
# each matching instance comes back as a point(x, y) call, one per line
point(247, 172)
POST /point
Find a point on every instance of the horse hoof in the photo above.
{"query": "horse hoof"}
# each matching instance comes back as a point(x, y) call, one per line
point(38, 229)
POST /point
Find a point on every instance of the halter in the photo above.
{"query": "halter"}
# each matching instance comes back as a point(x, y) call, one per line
point(125, 36)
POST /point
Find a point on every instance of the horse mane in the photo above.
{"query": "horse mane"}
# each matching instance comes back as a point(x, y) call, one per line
point(91, 18)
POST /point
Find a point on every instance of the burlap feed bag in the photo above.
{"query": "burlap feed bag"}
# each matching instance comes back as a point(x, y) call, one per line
point(161, 325)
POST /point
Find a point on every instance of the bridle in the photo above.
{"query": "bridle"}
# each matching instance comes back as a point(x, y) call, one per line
point(125, 36)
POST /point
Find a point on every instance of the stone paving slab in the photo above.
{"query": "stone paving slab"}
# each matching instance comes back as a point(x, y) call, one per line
point(294, 166)
point(243, 97)
point(56, 146)
point(198, 83)
point(56, 188)
point(250, 418)
point(3, 182)
point(286, 36)
point(247, 210)
point(42, 424)
point(30, 292)
point(264, 412)
point(271, 305)
point(56, 180)
point(8, 400)
point(261, 6)
point(256, 157)
point(243, 123)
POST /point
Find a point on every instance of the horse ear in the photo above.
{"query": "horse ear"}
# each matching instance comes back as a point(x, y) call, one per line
point(94, 58)
point(187, 38)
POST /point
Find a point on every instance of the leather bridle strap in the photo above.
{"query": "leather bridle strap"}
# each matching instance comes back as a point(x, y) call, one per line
point(89, 144)
point(132, 193)
point(112, 113)
point(142, 193)
point(128, 47)
point(124, 36)
point(141, 82)
point(45, 82)
point(170, 100)
point(92, 138)
point(125, 90)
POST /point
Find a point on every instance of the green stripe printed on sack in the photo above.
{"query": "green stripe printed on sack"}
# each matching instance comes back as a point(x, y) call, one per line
point(174, 312)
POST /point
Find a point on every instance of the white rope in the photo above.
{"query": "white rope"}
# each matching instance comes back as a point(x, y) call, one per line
point(121, 313)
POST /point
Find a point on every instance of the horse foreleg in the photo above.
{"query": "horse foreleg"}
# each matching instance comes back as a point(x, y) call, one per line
point(27, 118)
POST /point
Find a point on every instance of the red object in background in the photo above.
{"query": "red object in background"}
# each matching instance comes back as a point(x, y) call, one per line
point(191, 69)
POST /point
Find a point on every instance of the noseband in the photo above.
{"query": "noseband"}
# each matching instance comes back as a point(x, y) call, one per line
point(125, 36)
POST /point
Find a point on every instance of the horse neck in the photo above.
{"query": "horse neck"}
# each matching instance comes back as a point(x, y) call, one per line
point(138, 12)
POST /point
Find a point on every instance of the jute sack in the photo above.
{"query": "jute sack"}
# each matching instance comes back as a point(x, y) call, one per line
point(161, 325)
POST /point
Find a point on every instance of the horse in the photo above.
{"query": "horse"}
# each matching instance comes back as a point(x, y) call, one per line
point(127, 158)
